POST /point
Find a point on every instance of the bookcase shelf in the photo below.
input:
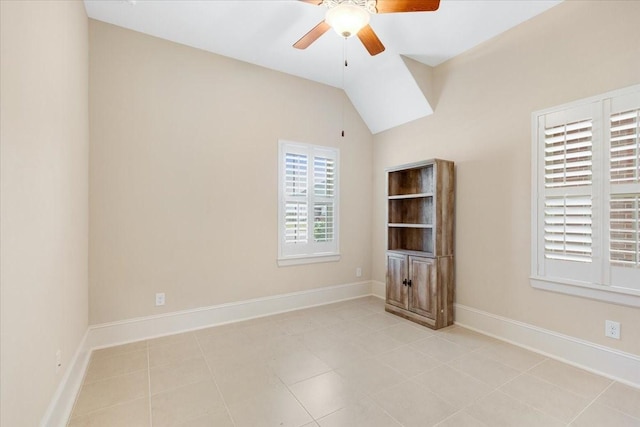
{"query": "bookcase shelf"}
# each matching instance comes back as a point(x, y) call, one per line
point(420, 242)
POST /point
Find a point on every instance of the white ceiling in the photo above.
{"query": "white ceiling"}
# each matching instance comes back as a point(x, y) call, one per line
point(262, 32)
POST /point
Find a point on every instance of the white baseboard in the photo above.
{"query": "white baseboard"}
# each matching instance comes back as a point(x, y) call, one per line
point(61, 405)
point(611, 363)
point(602, 360)
point(110, 334)
point(378, 289)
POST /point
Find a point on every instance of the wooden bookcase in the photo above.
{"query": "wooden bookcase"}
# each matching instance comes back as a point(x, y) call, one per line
point(420, 220)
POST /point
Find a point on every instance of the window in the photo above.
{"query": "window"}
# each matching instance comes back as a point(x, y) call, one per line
point(586, 198)
point(308, 203)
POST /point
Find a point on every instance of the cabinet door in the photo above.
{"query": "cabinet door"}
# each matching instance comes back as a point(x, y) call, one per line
point(396, 274)
point(422, 293)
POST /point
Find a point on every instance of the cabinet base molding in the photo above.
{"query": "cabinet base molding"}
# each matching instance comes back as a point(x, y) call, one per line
point(424, 321)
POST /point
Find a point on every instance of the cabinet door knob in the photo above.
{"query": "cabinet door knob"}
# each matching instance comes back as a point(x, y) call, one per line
point(404, 282)
point(409, 283)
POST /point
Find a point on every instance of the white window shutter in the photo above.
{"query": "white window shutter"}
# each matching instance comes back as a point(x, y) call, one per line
point(568, 228)
point(625, 147)
point(295, 174)
point(324, 175)
point(586, 197)
point(566, 219)
point(295, 225)
point(624, 239)
point(308, 201)
point(568, 159)
point(624, 191)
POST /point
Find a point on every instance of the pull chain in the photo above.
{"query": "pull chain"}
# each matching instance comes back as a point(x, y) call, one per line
point(344, 68)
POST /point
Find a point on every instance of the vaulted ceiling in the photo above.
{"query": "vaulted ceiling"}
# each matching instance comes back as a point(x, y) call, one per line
point(382, 88)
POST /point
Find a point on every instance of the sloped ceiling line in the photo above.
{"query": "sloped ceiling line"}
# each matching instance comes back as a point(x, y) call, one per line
point(387, 90)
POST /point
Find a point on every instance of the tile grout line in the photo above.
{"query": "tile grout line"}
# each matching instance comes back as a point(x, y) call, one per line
point(95, 411)
point(570, 391)
point(456, 413)
point(527, 372)
point(375, 402)
point(364, 395)
point(104, 408)
point(530, 406)
point(527, 403)
point(536, 365)
point(300, 403)
point(149, 384)
point(111, 377)
point(388, 414)
point(614, 408)
point(215, 382)
point(492, 389)
point(316, 420)
point(181, 360)
point(75, 400)
point(592, 402)
point(498, 388)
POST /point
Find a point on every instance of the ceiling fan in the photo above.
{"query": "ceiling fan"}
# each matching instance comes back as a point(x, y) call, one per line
point(351, 17)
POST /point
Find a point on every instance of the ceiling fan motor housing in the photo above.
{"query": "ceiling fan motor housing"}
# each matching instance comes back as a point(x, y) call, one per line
point(368, 5)
point(351, 17)
point(347, 18)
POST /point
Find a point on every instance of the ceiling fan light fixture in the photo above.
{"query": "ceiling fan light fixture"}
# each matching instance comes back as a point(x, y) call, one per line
point(347, 19)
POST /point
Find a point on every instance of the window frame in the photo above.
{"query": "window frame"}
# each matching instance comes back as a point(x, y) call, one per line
point(312, 251)
point(599, 287)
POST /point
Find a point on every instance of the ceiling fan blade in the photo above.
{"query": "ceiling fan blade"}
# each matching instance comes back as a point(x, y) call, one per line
point(370, 40)
point(393, 6)
point(312, 35)
point(316, 2)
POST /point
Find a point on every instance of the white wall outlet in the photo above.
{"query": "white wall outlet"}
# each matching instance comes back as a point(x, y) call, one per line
point(612, 329)
point(159, 299)
point(58, 360)
point(358, 272)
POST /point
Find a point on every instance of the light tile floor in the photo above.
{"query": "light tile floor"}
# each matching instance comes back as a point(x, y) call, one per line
point(345, 364)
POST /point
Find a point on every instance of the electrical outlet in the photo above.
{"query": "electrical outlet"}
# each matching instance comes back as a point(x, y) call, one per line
point(358, 272)
point(612, 329)
point(159, 299)
point(58, 360)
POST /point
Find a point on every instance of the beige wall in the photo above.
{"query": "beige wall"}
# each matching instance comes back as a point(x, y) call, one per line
point(184, 176)
point(482, 122)
point(44, 199)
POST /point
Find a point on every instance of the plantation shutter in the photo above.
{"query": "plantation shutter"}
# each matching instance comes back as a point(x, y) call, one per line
point(624, 188)
point(568, 228)
point(324, 190)
point(568, 159)
point(586, 197)
point(308, 207)
point(295, 188)
point(624, 243)
point(566, 190)
point(625, 147)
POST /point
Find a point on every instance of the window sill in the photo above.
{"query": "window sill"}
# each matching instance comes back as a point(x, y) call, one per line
point(628, 297)
point(307, 259)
